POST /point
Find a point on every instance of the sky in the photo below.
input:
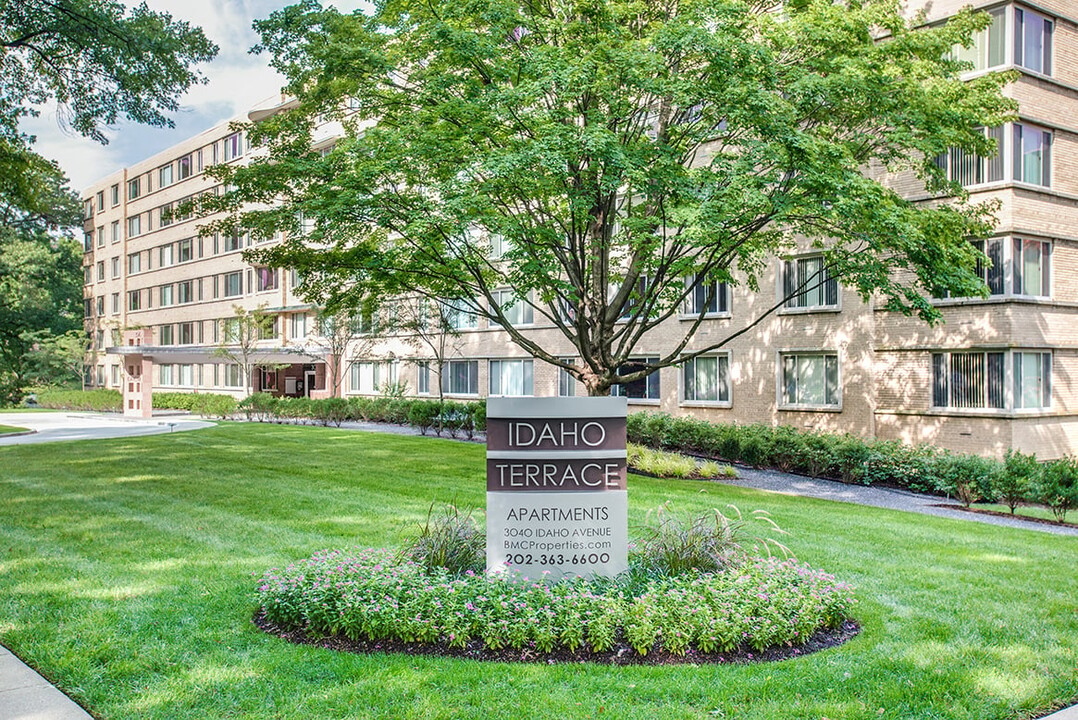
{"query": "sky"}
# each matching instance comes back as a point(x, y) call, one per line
point(237, 81)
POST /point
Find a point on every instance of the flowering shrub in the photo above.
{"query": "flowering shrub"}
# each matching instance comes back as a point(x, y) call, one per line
point(371, 595)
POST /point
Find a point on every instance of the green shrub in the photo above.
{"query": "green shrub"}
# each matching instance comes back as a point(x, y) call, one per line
point(712, 469)
point(450, 541)
point(968, 478)
point(369, 595)
point(97, 400)
point(787, 449)
point(1015, 482)
point(214, 405)
point(423, 415)
point(1058, 486)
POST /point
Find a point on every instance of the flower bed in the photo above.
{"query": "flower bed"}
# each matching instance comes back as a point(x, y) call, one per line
point(372, 597)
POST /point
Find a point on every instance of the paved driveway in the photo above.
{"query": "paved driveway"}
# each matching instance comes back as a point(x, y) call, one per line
point(60, 426)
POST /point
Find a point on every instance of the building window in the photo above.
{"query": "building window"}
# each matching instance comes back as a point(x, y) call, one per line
point(646, 388)
point(233, 242)
point(187, 333)
point(511, 377)
point(88, 208)
point(1032, 380)
point(88, 275)
point(165, 215)
point(100, 200)
point(184, 166)
point(233, 375)
point(459, 316)
point(810, 380)
point(87, 241)
point(365, 377)
point(233, 284)
point(423, 377)
point(265, 279)
point(806, 283)
point(166, 255)
point(967, 380)
point(268, 329)
point(1032, 155)
point(1032, 41)
point(187, 375)
point(115, 268)
point(988, 46)
point(164, 176)
point(114, 191)
point(968, 169)
point(165, 335)
point(134, 300)
point(706, 379)
point(115, 303)
point(165, 376)
point(134, 226)
point(100, 303)
point(299, 326)
point(566, 382)
point(185, 292)
point(187, 250)
point(134, 263)
point(101, 271)
point(101, 236)
point(499, 246)
point(517, 312)
point(134, 188)
point(116, 231)
point(114, 372)
point(233, 146)
point(706, 296)
point(461, 377)
point(87, 307)
point(1032, 267)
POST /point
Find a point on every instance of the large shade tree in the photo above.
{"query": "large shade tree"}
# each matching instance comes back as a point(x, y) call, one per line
point(96, 61)
point(594, 154)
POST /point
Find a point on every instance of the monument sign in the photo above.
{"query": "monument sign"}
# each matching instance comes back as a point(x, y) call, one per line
point(557, 504)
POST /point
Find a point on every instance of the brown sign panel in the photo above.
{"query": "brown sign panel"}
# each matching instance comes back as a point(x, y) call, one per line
point(545, 434)
point(556, 475)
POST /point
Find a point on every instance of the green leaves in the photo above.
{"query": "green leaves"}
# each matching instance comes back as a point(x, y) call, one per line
point(613, 146)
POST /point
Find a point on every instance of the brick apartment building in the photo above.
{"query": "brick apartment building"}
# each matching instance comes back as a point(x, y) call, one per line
point(996, 374)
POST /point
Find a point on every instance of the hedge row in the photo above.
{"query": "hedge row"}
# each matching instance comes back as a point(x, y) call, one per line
point(101, 400)
point(1016, 479)
point(444, 417)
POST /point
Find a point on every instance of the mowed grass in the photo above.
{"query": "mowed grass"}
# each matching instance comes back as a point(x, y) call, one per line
point(1033, 511)
point(9, 429)
point(127, 574)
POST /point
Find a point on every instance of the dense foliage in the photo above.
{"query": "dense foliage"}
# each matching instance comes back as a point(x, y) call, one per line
point(1017, 479)
point(599, 158)
point(372, 596)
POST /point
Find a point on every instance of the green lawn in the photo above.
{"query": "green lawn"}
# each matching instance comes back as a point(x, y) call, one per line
point(127, 572)
point(8, 429)
point(1035, 511)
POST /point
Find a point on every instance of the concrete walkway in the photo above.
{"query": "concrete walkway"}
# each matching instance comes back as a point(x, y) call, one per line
point(25, 695)
point(787, 484)
point(62, 425)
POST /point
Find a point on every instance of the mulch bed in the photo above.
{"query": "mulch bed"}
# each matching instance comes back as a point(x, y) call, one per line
point(1025, 518)
point(622, 654)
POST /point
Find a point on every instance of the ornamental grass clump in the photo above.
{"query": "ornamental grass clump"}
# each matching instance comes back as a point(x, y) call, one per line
point(710, 542)
point(450, 540)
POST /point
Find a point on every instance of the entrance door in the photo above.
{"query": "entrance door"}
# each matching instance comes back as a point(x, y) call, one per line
point(308, 381)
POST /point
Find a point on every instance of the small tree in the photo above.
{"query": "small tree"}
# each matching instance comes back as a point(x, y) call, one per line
point(1058, 486)
point(335, 332)
point(57, 358)
point(1016, 480)
point(429, 327)
point(240, 338)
